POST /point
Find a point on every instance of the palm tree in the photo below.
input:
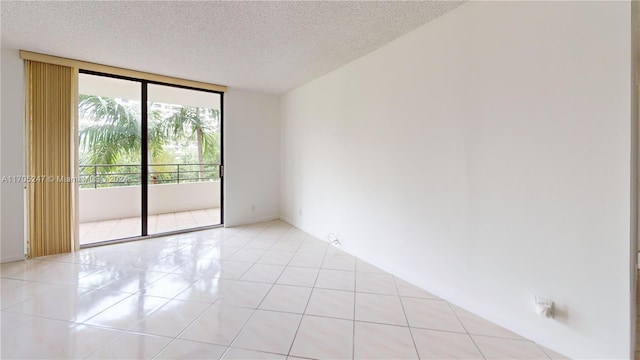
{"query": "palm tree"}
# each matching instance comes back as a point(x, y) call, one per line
point(115, 131)
point(190, 122)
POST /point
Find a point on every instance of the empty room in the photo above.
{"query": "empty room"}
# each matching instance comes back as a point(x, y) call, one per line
point(319, 179)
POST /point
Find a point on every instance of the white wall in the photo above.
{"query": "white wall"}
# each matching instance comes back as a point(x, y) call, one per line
point(124, 201)
point(12, 155)
point(484, 157)
point(165, 198)
point(251, 157)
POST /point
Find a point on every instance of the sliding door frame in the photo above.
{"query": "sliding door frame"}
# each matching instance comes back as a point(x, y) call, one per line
point(144, 156)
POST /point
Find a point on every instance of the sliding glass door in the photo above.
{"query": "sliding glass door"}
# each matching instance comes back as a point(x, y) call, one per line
point(150, 158)
point(184, 158)
point(109, 158)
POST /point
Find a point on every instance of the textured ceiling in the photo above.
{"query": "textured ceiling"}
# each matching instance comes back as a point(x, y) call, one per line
point(263, 46)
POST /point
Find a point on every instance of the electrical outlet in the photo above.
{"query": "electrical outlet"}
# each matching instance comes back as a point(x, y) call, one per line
point(544, 307)
point(334, 240)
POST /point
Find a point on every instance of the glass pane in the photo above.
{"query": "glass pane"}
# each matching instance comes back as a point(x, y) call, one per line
point(184, 158)
point(109, 158)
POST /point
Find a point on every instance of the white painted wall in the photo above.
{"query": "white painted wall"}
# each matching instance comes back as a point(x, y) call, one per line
point(12, 155)
point(124, 201)
point(165, 198)
point(251, 157)
point(484, 157)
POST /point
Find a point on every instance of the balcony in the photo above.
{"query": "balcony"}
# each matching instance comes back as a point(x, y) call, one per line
point(181, 196)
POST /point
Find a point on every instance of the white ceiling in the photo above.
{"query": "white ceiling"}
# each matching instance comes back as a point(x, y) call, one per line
point(262, 46)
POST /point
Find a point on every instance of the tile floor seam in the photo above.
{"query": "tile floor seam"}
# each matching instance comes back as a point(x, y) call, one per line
point(177, 335)
point(254, 350)
point(199, 317)
point(353, 323)
point(467, 331)
point(76, 323)
point(274, 282)
point(190, 323)
point(259, 304)
point(544, 352)
point(307, 305)
point(196, 341)
point(104, 345)
point(100, 326)
point(71, 323)
point(150, 335)
point(336, 318)
point(524, 340)
point(484, 335)
point(163, 305)
point(103, 311)
point(406, 318)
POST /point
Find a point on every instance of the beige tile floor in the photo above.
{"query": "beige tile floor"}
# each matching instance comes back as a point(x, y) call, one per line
point(264, 291)
point(97, 231)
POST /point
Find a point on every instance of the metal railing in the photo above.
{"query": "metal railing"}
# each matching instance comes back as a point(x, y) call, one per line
point(111, 175)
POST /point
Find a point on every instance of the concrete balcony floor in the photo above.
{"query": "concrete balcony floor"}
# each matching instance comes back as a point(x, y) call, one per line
point(92, 232)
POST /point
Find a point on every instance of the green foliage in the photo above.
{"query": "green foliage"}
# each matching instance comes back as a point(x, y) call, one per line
point(112, 135)
point(199, 125)
point(115, 131)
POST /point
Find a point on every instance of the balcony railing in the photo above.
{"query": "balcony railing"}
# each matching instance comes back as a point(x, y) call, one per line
point(101, 176)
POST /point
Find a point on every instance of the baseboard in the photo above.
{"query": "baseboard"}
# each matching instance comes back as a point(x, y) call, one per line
point(11, 259)
point(252, 221)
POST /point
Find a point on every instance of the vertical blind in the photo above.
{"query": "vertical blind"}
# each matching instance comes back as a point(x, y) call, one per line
point(51, 108)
